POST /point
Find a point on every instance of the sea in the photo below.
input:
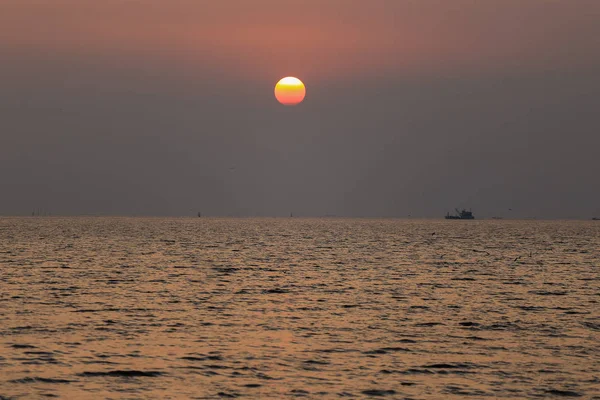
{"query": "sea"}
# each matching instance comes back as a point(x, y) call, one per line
point(285, 308)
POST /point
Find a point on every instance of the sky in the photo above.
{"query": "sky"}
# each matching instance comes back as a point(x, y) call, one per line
point(413, 107)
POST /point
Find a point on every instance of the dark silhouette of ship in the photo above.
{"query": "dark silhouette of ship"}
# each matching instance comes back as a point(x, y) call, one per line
point(40, 212)
point(464, 214)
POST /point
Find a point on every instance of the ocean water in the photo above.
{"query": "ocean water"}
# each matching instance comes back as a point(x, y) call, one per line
point(149, 308)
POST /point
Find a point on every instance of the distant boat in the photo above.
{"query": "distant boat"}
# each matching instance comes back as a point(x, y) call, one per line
point(497, 218)
point(40, 212)
point(464, 214)
point(595, 219)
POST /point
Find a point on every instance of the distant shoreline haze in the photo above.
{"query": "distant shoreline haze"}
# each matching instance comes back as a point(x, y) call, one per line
point(300, 216)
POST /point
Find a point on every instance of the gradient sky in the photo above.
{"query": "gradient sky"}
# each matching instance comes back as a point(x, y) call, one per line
point(413, 107)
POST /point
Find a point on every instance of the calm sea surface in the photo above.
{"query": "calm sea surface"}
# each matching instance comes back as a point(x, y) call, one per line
point(148, 308)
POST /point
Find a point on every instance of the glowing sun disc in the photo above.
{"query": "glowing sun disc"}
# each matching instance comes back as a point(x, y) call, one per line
point(290, 91)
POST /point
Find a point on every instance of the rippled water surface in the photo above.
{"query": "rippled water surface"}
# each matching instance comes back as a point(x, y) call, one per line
point(284, 308)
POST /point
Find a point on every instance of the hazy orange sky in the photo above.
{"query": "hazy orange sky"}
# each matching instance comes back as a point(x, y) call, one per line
point(413, 107)
point(318, 39)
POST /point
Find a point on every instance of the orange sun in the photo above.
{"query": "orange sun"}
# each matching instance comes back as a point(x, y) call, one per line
point(290, 91)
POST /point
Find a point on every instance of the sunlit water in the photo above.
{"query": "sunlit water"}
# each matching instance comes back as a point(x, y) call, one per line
point(284, 308)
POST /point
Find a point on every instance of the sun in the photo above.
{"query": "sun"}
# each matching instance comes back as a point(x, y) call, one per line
point(290, 91)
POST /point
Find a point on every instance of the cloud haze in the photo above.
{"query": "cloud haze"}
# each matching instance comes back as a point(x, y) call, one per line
point(413, 107)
